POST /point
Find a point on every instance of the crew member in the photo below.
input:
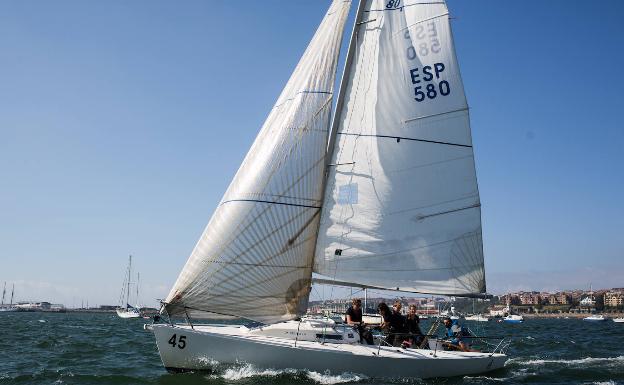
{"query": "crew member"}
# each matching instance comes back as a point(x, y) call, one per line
point(412, 328)
point(353, 318)
point(455, 334)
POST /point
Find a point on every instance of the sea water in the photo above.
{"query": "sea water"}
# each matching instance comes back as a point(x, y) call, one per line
point(73, 348)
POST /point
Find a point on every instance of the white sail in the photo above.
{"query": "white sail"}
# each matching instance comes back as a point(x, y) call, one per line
point(255, 257)
point(401, 207)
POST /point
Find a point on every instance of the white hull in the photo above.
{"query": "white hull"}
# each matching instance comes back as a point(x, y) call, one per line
point(8, 309)
point(514, 319)
point(205, 346)
point(128, 313)
point(595, 318)
point(477, 318)
point(618, 320)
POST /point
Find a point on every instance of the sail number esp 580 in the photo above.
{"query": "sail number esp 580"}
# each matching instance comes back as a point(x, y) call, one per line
point(179, 342)
point(427, 83)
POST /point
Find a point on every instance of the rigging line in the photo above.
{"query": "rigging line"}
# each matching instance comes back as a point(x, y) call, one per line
point(310, 92)
point(340, 164)
point(270, 202)
point(399, 138)
point(366, 22)
point(431, 205)
point(421, 217)
point(421, 21)
point(434, 115)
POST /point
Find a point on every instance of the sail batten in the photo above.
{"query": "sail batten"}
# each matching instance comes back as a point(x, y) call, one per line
point(402, 209)
point(254, 259)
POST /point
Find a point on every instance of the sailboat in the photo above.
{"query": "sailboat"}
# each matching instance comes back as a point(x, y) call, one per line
point(512, 318)
point(383, 196)
point(125, 310)
point(590, 301)
point(4, 307)
point(476, 317)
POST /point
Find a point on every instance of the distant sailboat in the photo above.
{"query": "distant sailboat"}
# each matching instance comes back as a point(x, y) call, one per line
point(125, 310)
point(476, 317)
point(384, 198)
point(8, 307)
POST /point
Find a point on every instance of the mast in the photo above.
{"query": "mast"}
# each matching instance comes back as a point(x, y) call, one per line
point(340, 101)
point(128, 288)
point(342, 89)
point(137, 289)
point(12, 292)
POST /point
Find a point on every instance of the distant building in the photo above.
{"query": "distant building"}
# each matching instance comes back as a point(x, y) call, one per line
point(530, 298)
point(561, 298)
point(588, 301)
point(511, 298)
point(614, 298)
point(40, 306)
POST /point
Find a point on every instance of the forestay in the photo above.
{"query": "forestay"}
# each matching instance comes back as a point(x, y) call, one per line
point(401, 208)
point(255, 257)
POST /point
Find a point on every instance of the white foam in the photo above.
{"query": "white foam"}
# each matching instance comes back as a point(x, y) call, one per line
point(486, 378)
point(582, 361)
point(328, 379)
point(610, 382)
point(247, 371)
point(207, 361)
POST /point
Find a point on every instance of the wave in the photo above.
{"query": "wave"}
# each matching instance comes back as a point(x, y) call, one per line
point(581, 361)
point(249, 371)
point(327, 379)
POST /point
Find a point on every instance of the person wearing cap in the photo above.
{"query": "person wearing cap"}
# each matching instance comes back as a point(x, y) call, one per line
point(455, 334)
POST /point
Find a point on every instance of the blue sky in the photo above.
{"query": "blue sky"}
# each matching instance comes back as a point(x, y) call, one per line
point(122, 123)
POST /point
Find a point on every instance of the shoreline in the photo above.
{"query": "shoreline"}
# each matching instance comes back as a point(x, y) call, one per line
point(572, 315)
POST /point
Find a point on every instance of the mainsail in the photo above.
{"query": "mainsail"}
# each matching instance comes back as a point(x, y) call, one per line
point(401, 208)
point(255, 257)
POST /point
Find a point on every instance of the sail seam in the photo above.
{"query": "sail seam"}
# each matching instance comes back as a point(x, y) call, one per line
point(399, 138)
point(432, 269)
point(433, 115)
point(270, 202)
point(259, 264)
